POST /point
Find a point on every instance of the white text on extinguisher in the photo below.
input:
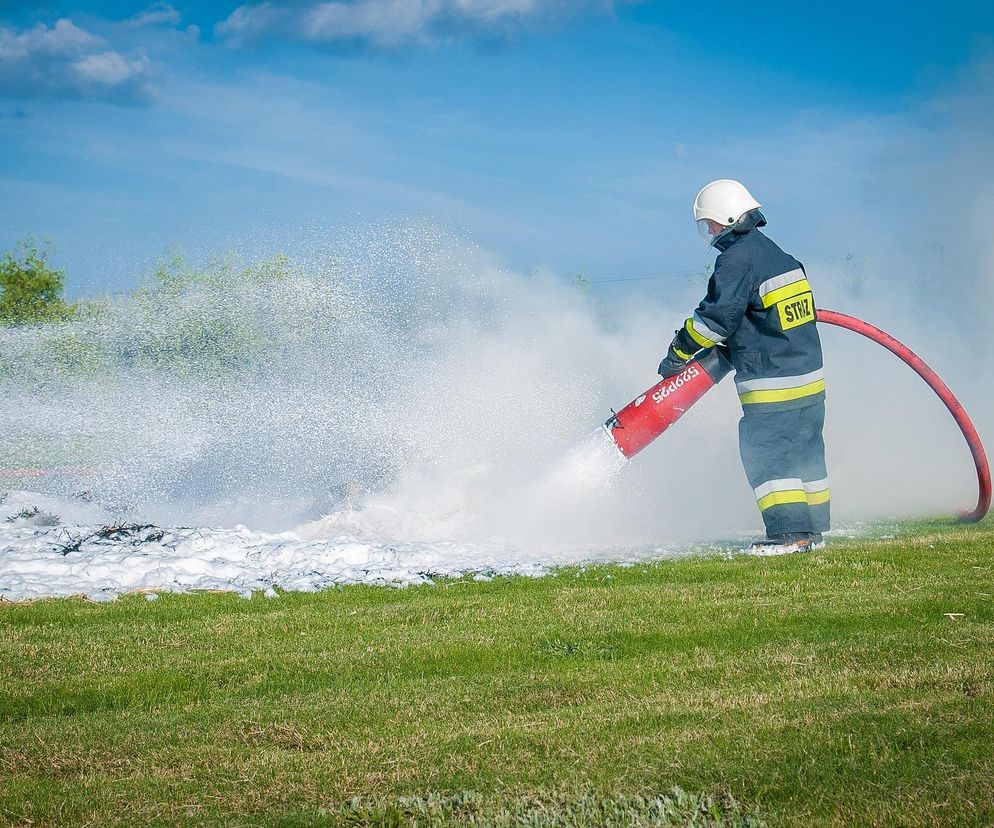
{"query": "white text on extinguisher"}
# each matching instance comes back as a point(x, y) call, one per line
point(677, 382)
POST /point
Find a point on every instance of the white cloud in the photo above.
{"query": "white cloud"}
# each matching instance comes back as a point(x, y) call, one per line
point(384, 22)
point(64, 37)
point(496, 9)
point(108, 69)
point(156, 15)
point(395, 22)
point(249, 22)
point(66, 61)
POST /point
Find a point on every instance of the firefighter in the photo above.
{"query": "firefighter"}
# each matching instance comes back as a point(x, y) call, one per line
point(760, 311)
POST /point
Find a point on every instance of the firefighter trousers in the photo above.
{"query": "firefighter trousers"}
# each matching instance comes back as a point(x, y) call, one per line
point(783, 453)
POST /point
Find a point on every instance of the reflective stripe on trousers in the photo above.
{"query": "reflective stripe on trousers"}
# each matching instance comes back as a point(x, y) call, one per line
point(792, 490)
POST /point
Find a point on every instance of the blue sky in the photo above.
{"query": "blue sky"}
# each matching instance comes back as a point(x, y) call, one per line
point(570, 134)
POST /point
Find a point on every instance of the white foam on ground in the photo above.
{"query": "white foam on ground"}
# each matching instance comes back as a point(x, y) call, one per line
point(51, 547)
point(41, 556)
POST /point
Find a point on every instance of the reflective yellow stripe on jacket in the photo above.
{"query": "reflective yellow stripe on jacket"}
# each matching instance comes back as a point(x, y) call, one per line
point(701, 333)
point(781, 389)
point(784, 286)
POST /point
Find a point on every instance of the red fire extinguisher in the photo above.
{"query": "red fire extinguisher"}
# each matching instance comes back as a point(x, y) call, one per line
point(650, 414)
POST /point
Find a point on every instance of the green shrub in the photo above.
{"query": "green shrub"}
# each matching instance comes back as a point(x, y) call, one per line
point(31, 291)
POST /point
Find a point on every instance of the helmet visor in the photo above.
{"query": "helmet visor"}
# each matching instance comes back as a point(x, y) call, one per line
point(704, 229)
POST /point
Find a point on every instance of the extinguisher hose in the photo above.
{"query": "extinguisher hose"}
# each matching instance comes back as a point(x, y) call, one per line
point(940, 388)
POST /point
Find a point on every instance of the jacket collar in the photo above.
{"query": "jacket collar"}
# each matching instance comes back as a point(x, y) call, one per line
point(727, 239)
point(745, 225)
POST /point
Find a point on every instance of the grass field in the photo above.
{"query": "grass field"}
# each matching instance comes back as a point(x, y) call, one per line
point(851, 686)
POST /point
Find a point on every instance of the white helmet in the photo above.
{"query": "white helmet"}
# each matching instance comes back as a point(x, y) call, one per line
point(724, 202)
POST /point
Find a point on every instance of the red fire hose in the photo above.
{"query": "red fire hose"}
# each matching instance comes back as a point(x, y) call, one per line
point(939, 387)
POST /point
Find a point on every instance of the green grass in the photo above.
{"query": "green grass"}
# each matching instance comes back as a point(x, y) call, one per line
point(821, 689)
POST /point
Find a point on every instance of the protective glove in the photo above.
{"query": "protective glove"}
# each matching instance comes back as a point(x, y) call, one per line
point(671, 364)
point(680, 352)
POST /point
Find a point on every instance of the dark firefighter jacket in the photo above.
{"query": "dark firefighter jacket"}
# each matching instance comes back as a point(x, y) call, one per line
point(759, 305)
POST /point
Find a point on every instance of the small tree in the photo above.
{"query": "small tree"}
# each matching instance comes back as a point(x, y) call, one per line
point(31, 291)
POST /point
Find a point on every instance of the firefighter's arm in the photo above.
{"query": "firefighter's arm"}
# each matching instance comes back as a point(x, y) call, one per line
point(717, 317)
